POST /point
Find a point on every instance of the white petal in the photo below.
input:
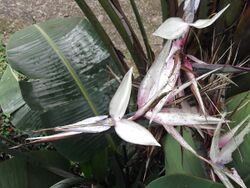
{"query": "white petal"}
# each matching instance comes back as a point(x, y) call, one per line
point(224, 179)
point(195, 59)
point(191, 3)
point(141, 111)
point(120, 100)
point(202, 23)
point(190, 7)
point(95, 124)
point(196, 91)
point(134, 133)
point(225, 155)
point(228, 136)
point(172, 28)
point(91, 120)
point(84, 128)
point(178, 117)
point(148, 85)
point(54, 137)
point(171, 74)
point(233, 174)
point(214, 149)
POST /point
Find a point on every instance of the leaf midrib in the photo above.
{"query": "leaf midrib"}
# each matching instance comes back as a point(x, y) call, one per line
point(72, 72)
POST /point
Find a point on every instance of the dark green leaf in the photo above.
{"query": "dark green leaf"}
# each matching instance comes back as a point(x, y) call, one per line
point(240, 106)
point(10, 94)
point(81, 148)
point(97, 167)
point(242, 82)
point(179, 160)
point(20, 173)
point(66, 64)
point(69, 182)
point(181, 181)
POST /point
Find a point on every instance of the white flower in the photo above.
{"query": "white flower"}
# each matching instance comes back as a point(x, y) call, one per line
point(128, 130)
point(175, 27)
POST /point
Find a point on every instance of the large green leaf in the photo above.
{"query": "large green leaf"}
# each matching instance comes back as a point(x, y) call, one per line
point(10, 94)
point(12, 103)
point(68, 79)
point(179, 160)
point(181, 181)
point(240, 105)
point(18, 172)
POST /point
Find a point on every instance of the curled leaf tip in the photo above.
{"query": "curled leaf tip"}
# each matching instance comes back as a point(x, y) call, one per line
point(202, 23)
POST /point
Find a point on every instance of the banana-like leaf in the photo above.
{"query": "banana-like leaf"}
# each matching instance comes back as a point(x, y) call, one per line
point(66, 65)
point(18, 172)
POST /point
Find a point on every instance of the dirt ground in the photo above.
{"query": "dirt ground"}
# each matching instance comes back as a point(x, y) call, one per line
point(15, 14)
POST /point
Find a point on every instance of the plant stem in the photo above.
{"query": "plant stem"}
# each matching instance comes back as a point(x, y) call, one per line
point(129, 37)
point(150, 53)
point(115, 54)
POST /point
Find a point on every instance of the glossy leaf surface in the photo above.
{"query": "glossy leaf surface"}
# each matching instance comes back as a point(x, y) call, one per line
point(68, 80)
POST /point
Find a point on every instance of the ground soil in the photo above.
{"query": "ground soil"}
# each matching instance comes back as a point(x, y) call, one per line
point(15, 14)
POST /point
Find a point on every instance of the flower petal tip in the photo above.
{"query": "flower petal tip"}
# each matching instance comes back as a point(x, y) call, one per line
point(120, 100)
point(134, 133)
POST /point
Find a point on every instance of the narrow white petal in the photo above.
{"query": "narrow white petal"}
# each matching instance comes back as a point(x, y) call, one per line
point(95, 124)
point(120, 100)
point(54, 137)
point(191, 5)
point(148, 85)
point(134, 133)
point(228, 136)
point(196, 5)
point(202, 23)
point(224, 179)
point(84, 129)
point(141, 111)
point(226, 152)
point(171, 74)
point(195, 59)
point(233, 174)
point(172, 28)
point(196, 91)
point(91, 120)
point(214, 149)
